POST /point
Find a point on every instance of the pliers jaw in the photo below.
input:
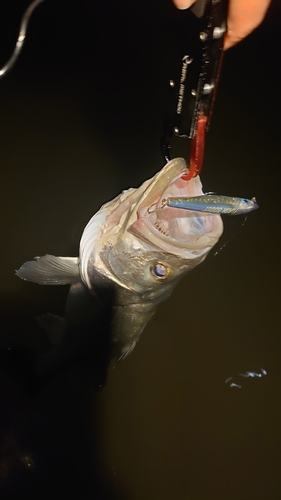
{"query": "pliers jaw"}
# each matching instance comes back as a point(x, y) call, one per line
point(192, 88)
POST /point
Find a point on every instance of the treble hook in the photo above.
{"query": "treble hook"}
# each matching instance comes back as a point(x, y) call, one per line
point(21, 37)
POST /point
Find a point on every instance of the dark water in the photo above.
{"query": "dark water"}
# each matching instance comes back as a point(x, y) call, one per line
point(81, 119)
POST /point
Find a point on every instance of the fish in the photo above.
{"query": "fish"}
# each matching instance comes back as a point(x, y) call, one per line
point(134, 253)
point(212, 203)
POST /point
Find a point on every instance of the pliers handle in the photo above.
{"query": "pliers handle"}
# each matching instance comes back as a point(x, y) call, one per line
point(192, 88)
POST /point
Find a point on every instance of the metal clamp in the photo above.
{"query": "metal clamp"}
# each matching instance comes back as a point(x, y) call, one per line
point(192, 88)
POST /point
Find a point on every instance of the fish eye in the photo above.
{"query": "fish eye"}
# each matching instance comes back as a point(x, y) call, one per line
point(160, 271)
point(245, 200)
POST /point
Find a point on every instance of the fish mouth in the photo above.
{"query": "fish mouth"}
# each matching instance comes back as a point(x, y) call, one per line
point(169, 228)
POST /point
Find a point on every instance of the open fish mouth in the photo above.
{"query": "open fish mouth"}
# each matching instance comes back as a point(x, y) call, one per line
point(167, 227)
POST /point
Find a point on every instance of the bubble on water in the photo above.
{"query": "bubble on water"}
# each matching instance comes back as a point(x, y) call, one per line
point(247, 374)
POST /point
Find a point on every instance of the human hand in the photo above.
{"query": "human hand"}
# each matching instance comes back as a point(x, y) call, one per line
point(243, 17)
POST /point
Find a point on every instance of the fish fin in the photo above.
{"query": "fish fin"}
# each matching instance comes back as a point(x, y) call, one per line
point(53, 325)
point(126, 351)
point(50, 270)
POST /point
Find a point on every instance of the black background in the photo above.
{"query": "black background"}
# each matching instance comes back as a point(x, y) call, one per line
point(81, 119)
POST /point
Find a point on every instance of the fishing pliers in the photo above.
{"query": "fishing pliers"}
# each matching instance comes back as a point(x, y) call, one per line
point(192, 88)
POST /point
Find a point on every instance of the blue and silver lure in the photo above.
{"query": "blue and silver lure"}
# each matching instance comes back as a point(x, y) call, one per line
point(212, 203)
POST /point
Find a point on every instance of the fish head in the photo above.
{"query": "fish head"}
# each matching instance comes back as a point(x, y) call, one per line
point(144, 246)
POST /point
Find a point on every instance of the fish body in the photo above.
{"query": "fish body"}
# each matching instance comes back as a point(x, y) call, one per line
point(214, 204)
point(134, 253)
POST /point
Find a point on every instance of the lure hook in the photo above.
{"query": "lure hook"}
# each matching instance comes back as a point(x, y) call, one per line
point(21, 37)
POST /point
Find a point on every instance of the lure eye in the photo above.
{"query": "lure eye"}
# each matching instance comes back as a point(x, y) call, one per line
point(160, 271)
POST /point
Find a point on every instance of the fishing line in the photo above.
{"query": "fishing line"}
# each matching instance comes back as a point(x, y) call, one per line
point(21, 38)
point(231, 228)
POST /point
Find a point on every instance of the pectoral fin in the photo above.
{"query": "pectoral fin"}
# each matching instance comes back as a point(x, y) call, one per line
point(50, 270)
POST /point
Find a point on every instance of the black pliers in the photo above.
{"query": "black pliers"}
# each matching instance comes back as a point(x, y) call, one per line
point(193, 87)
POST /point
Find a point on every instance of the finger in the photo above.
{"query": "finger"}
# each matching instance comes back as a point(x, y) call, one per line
point(183, 4)
point(243, 18)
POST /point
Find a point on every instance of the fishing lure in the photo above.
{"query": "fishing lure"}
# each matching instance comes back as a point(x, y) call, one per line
point(212, 203)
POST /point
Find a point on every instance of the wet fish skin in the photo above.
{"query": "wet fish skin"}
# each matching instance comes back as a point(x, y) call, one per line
point(131, 256)
point(212, 203)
